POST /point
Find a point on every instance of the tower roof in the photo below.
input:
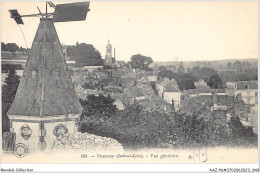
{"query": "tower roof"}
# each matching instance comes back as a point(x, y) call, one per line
point(109, 45)
point(45, 88)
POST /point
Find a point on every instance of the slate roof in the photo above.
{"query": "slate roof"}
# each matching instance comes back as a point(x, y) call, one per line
point(134, 92)
point(147, 103)
point(45, 88)
point(205, 90)
point(129, 74)
point(171, 88)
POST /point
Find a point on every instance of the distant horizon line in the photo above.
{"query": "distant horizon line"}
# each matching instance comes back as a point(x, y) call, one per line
point(200, 60)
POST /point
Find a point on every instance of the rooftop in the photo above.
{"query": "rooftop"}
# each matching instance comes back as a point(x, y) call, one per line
point(247, 85)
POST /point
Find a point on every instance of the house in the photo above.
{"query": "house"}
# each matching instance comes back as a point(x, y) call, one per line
point(92, 68)
point(83, 94)
point(168, 90)
point(121, 100)
point(148, 104)
point(172, 93)
point(151, 76)
point(145, 86)
point(161, 104)
point(134, 93)
point(203, 92)
point(120, 63)
point(126, 82)
point(162, 82)
point(247, 89)
point(111, 88)
point(201, 84)
point(119, 104)
point(129, 74)
point(78, 88)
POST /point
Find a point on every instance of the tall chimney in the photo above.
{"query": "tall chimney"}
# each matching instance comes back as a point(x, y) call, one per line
point(115, 53)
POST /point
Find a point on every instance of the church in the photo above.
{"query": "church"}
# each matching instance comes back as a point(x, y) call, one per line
point(109, 59)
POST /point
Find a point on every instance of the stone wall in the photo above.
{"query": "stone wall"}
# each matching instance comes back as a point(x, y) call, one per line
point(86, 142)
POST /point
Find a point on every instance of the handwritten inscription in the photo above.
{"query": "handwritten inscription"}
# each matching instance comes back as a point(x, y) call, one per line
point(199, 156)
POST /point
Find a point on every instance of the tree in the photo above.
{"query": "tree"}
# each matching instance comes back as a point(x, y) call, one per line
point(240, 134)
point(189, 131)
point(215, 82)
point(12, 47)
point(181, 68)
point(188, 70)
point(195, 69)
point(85, 54)
point(237, 66)
point(133, 127)
point(203, 73)
point(173, 68)
point(162, 68)
point(229, 65)
point(98, 105)
point(8, 94)
point(141, 62)
point(184, 81)
point(166, 73)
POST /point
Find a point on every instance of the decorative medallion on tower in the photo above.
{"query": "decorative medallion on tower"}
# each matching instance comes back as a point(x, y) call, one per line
point(25, 131)
point(60, 130)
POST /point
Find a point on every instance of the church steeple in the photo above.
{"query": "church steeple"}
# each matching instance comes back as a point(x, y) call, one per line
point(109, 59)
point(109, 50)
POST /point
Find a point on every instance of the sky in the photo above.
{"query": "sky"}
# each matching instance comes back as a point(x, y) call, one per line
point(164, 31)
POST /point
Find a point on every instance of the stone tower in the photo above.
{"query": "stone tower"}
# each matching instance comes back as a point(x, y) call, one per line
point(45, 105)
point(108, 50)
point(109, 60)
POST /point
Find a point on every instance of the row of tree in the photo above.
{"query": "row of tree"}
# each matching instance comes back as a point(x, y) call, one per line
point(85, 55)
point(141, 62)
point(12, 47)
point(186, 80)
point(8, 94)
point(237, 65)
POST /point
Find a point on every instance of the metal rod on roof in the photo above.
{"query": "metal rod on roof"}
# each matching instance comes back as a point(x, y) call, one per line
point(33, 15)
point(46, 9)
point(40, 11)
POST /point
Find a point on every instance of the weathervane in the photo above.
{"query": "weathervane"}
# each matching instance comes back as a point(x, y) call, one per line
point(63, 12)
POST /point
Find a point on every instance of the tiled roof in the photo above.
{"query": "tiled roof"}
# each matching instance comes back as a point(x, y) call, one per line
point(247, 84)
